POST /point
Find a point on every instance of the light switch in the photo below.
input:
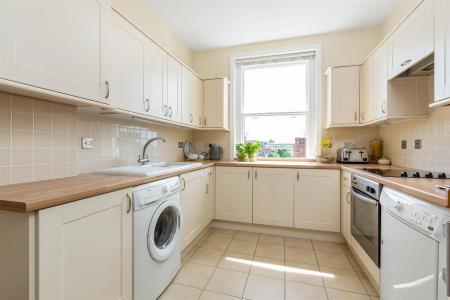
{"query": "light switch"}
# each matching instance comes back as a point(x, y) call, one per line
point(87, 143)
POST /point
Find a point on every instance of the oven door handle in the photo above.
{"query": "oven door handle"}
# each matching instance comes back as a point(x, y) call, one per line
point(359, 196)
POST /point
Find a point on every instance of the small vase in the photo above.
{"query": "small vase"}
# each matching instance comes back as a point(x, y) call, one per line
point(251, 158)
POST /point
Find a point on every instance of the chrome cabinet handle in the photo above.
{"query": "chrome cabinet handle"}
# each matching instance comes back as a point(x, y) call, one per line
point(383, 109)
point(348, 197)
point(191, 118)
point(256, 174)
point(406, 62)
point(170, 111)
point(147, 105)
point(107, 89)
point(165, 110)
point(206, 188)
point(204, 121)
point(298, 176)
point(356, 116)
point(130, 203)
point(184, 183)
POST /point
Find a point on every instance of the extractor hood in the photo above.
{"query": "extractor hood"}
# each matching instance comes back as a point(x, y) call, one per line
point(424, 67)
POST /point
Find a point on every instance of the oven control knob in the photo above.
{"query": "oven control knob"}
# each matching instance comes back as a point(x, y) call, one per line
point(416, 175)
point(403, 174)
point(442, 175)
point(429, 175)
point(399, 206)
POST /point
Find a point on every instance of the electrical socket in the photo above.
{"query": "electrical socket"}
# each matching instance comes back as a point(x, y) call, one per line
point(418, 144)
point(87, 143)
point(180, 144)
point(404, 144)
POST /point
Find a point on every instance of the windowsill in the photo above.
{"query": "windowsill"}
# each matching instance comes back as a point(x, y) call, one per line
point(295, 159)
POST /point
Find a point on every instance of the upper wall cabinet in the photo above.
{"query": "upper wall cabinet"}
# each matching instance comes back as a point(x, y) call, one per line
point(342, 96)
point(191, 98)
point(367, 91)
point(380, 82)
point(172, 106)
point(127, 66)
point(216, 103)
point(154, 83)
point(412, 41)
point(57, 45)
point(442, 50)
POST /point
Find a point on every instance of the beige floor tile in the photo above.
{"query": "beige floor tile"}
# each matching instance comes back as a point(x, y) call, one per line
point(304, 273)
point(199, 241)
point(223, 233)
point(374, 298)
point(207, 257)
point(216, 243)
point(367, 284)
point(298, 242)
point(328, 246)
point(343, 280)
point(207, 295)
point(301, 255)
point(343, 295)
point(356, 266)
point(333, 260)
point(268, 267)
point(301, 291)
point(194, 275)
point(270, 251)
point(227, 282)
point(271, 239)
point(187, 254)
point(262, 288)
point(180, 292)
point(244, 247)
point(236, 262)
point(247, 236)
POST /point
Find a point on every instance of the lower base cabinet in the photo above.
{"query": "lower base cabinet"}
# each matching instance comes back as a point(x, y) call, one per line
point(317, 200)
point(346, 206)
point(85, 249)
point(197, 203)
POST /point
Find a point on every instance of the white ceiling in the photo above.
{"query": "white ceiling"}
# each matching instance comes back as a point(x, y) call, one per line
point(208, 24)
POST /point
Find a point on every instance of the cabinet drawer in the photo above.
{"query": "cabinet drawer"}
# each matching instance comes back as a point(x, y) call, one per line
point(346, 179)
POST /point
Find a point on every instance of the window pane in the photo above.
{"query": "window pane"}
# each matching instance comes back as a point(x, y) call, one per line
point(280, 136)
point(276, 88)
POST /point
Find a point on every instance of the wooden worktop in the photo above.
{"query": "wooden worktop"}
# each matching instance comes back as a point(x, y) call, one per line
point(422, 188)
point(32, 196)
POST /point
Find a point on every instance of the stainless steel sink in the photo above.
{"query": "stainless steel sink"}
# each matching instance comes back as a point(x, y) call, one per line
point(150, 169)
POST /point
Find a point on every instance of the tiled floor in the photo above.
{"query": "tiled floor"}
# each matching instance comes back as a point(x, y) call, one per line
point(226, 264)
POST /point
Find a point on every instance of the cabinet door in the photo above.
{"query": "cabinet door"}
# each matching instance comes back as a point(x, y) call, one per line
point(197, 101)
point(317, 200)
point(85, 249)
point(367, 91)
point(186, 97)
point(173, 90)
point(208, 198)
point(442, 49)
point(192, 201)
point(61, 46)
point(127, 66)
point(413, 40)
point(345, 212)
point(344, 95)
point(7, 46)
point(155, 64)
point(380, 63)
point(234, 194)
point(215, 103)
point(273, 196)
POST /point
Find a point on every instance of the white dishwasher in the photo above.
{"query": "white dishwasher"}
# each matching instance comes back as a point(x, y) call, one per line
point(413, 248)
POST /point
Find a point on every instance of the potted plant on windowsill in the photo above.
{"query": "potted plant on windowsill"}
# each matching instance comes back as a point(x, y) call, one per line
point(325, 146)
point(252, 149)
point(241, 153)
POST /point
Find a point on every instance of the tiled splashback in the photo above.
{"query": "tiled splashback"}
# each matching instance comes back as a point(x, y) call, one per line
point(361, 137)
point(435, 135)
point(42, 140)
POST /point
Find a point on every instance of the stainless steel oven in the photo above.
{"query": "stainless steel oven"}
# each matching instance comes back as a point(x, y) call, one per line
point(366, 215)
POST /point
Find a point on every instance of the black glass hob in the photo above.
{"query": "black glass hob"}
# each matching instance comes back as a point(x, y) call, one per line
point(409, 173)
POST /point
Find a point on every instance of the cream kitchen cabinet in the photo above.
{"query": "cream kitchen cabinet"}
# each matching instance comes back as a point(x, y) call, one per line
point(154, 83)
point(127, 66)
point(380, 83)
point(343, 95)
point(85, 249)
point(367, 91)
point(317, 200)
point(273, 196)
point(209, 195)
point(412, 41)
point(346, 206)
point(60, 46)
point(172, 105)
point(442, 50)
point(216, 103)
point(197, 101)
point(234, 194)
point(192, 98)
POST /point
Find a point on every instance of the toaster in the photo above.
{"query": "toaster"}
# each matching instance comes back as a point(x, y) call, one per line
point(352, 155)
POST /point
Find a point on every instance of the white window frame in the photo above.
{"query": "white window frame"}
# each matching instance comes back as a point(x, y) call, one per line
point(314, 99)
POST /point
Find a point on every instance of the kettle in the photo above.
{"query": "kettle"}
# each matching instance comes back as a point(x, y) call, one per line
point(215, 152)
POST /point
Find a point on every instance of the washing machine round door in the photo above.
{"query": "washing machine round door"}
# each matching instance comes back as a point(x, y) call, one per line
point(164, 231)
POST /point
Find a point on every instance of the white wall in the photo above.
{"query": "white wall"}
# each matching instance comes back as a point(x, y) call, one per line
point(399, 11)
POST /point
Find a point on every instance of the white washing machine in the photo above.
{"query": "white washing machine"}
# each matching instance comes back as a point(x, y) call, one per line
point(414, 248)
point(156, 237)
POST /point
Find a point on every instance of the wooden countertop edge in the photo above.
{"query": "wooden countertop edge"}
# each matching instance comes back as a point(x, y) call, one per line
point(123, 182)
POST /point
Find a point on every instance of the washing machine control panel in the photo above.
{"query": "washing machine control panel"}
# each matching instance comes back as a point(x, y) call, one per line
point(152, 193)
